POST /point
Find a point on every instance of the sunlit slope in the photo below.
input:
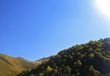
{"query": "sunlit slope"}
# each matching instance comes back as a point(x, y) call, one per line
point(10, 66)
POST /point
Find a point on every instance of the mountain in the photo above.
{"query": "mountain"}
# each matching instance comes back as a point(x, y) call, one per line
point(10, 66)
point(89, 59)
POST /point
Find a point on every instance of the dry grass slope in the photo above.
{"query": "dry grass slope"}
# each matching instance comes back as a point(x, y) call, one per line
point(10, 66)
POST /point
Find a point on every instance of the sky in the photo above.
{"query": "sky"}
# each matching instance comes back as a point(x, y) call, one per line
point(34, 29)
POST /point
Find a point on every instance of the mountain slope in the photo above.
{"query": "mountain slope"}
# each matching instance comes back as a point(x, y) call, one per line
point(10, 66)
point(90, 59)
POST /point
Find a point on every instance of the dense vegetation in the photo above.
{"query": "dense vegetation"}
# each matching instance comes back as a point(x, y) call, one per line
point(90, 59)
point(10, 66)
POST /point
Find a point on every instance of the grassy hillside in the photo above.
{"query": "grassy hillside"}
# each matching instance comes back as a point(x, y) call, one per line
point(90, 59)
point(10, 66)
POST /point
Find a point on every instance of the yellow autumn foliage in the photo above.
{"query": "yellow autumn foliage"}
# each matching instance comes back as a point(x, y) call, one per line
point(49, 69)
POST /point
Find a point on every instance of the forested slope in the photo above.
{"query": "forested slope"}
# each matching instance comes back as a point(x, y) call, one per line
point(89, 59)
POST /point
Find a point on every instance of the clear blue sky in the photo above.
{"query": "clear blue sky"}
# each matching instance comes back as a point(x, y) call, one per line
point(34, 29)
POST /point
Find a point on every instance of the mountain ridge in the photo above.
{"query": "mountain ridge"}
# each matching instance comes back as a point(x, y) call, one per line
point(89, 59)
